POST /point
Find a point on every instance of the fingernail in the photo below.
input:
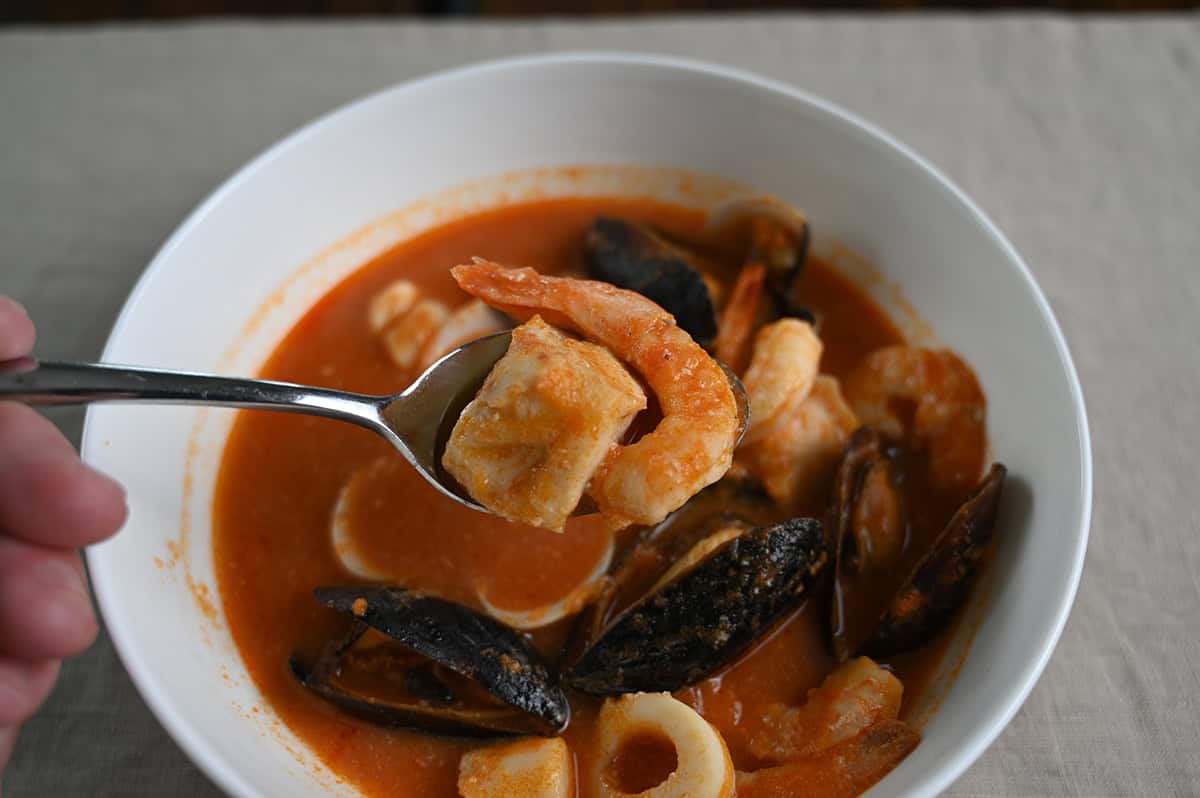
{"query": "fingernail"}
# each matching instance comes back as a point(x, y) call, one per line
point(108, 481)
point(107, 487)
point(13, 305)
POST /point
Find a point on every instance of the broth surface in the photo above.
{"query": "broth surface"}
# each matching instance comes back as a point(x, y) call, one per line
point(281, 475)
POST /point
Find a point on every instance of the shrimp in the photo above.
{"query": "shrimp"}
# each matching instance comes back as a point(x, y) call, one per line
point(739, 316)
point(929, 399)
point(692, 447)
point(844, 770)
point(787, 354)
point(774, 239)
point(802, 447)
point(856, 696)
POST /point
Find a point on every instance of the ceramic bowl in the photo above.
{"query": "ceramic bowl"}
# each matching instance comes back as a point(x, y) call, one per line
point(299, 218)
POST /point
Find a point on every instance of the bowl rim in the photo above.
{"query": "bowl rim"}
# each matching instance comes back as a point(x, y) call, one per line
point(151, 686)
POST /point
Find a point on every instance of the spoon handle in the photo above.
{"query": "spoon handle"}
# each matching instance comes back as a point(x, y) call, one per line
point(49, 383)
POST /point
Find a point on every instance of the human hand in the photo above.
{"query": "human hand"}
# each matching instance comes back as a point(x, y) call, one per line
point(50, 505)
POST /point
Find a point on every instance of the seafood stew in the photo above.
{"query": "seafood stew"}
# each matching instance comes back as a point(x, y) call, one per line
point(765, 628)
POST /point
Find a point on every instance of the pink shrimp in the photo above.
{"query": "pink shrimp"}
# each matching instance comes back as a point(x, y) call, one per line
point(856, 696)
point(844, 770)
point(929, 399)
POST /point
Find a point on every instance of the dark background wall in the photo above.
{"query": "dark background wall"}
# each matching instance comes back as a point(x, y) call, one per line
point(94, 10)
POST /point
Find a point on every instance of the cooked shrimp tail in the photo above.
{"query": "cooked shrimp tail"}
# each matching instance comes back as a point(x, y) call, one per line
point(846, 770)
point(736, 327)
point(930, 400)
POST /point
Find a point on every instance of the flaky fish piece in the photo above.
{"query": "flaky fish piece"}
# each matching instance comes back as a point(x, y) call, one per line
point(545, 419)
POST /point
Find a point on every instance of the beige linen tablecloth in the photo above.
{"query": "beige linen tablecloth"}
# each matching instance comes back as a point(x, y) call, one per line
point(1080, 137)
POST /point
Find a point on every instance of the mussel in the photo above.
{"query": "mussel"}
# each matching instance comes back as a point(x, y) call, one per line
point(941, 580)
point(417, 661)
point(881, 607)
point(642, 563)
point(771, 239)
point(729, 588)
point(767, 230)
point(871, 535)
point(636, 257)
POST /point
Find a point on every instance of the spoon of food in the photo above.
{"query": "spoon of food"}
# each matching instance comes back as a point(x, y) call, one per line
point(418, 421)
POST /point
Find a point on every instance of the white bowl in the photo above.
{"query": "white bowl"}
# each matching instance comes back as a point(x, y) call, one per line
point(250, 260)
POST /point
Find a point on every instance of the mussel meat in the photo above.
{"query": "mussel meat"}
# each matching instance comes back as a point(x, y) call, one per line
point(871, 535)
point(771, 239)
point(417, 661)
point(883, 604)
point(726, 591)
point(636, 257)
point(941, 580)
point(768, 230)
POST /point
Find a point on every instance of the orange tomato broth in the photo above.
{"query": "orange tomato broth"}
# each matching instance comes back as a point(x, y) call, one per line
point(281, 474)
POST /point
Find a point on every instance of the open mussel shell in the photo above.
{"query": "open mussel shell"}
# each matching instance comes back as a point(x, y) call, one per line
point(870, 538)
point(642, 564)
point(941, 580)
point(635, 257)
point(766, 228)
point(454, 671)
point(728, 592)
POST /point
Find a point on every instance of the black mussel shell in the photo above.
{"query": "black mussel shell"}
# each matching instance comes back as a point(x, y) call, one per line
point(523, 695)
point(635, 257)
point(783, 277)
point(802, 312)
point(942, 579)
point(705, 617)
point(430, 704)
point(870, 537)
point(640, 564)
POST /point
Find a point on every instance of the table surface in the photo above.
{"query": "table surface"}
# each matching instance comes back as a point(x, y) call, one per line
point(1079, 136)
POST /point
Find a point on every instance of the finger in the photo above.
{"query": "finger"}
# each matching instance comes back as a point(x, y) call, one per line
point(45, 610)
point(23, 688)
point(47, 495)
point(16, 330)
point(8, 740)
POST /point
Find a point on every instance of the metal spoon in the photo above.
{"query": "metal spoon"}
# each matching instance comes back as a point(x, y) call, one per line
point(418, 421)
